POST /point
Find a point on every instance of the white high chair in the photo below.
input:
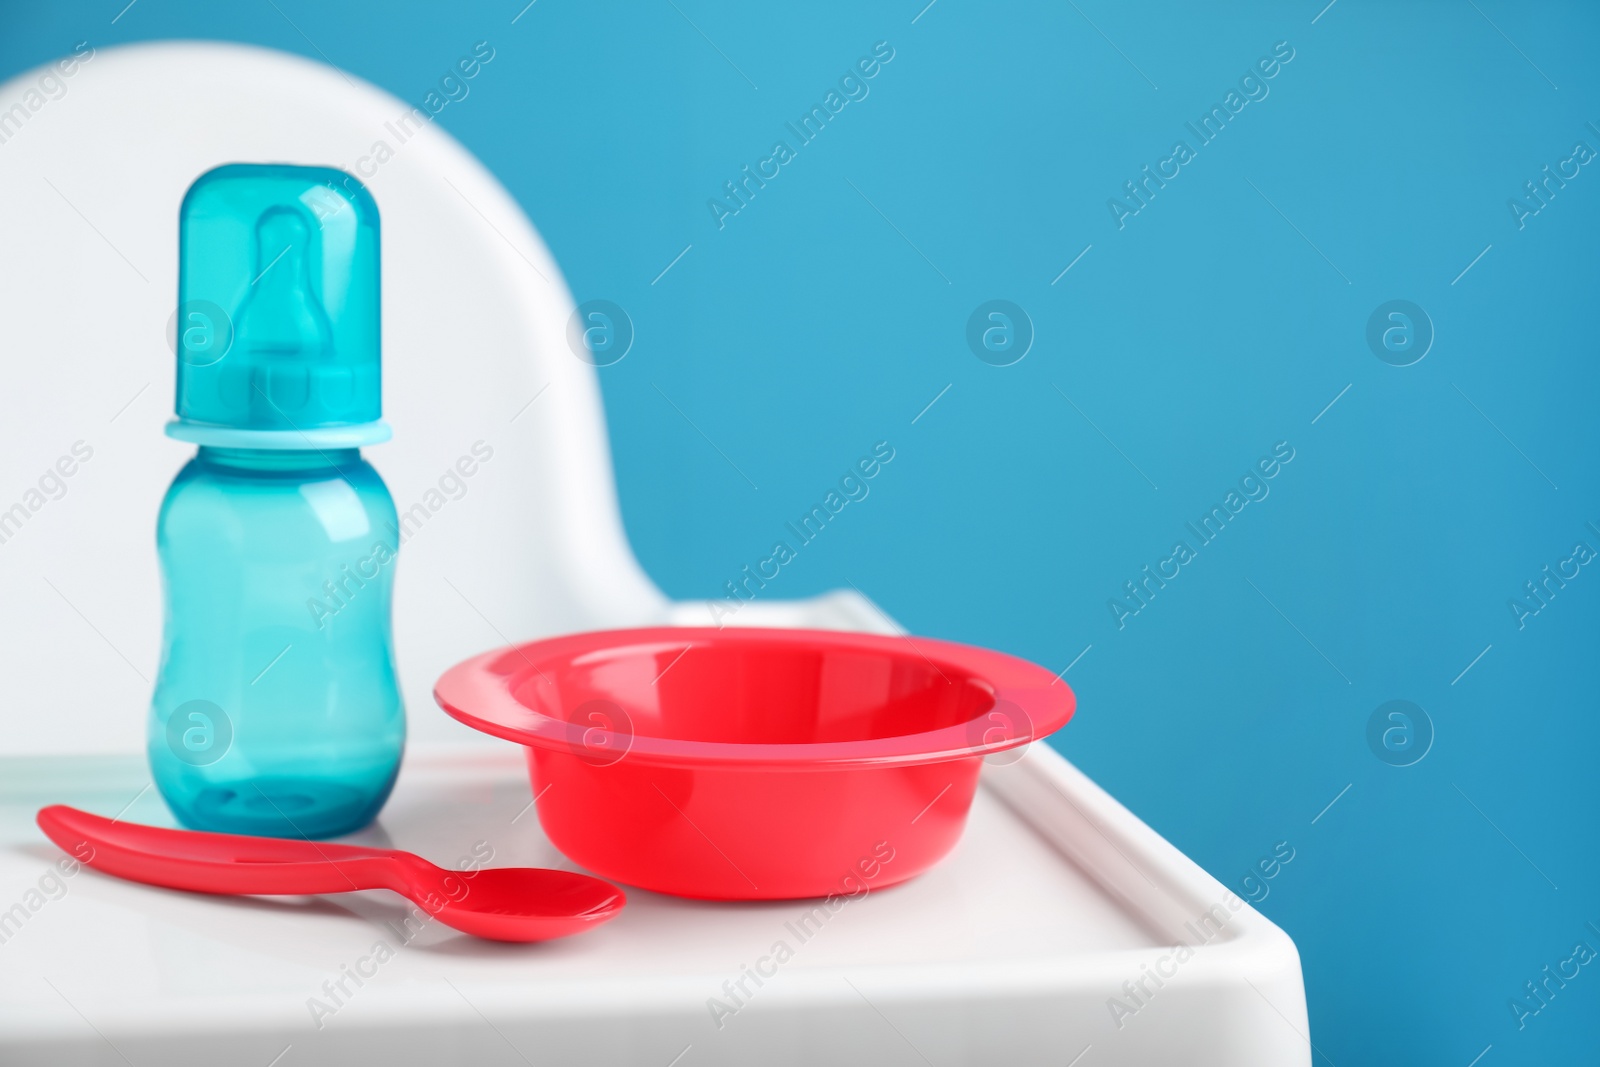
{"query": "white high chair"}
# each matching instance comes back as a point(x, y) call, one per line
point(1049, 936)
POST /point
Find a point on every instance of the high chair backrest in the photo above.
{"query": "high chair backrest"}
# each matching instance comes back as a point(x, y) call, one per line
point(478, 375)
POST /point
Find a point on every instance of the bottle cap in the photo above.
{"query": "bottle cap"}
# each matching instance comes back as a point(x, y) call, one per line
point(277, 328)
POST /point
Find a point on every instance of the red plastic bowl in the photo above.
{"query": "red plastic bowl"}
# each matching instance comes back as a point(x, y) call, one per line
point(746, 764)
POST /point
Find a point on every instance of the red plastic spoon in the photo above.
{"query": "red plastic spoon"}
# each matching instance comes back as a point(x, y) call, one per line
point(501, 903)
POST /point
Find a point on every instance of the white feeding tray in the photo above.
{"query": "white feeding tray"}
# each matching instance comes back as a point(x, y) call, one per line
point(1061, 930)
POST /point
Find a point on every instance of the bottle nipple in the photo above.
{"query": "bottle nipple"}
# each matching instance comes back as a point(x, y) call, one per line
point(280, 324)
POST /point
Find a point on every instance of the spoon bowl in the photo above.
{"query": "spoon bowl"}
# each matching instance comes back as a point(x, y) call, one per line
point(524, 903)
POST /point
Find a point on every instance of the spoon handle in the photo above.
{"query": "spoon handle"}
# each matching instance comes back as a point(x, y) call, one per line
point(219, 863)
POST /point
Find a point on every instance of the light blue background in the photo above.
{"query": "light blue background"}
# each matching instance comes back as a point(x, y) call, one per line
point(1208, 329)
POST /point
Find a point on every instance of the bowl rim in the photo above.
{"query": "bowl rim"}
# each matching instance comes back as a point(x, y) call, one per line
point(479, 692)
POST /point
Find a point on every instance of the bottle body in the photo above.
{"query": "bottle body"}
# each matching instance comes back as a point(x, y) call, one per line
point(276, 710)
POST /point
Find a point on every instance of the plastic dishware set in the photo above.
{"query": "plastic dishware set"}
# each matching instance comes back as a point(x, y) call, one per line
point(732, 764)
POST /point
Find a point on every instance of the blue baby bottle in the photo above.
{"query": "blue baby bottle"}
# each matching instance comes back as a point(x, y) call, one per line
point(276, 709)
